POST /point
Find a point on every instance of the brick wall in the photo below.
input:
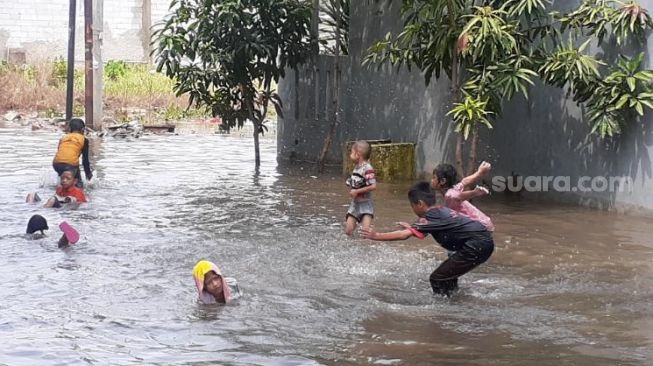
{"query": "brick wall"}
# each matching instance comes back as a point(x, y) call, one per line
point(40, 28)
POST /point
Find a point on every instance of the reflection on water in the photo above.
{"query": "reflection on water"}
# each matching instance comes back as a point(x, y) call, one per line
point(565, 285)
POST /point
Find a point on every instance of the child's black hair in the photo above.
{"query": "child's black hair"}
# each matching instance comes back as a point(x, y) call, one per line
point(37, 223)
point(421, 191)
point(76, 125)
point(446, 172)
point(72, 171)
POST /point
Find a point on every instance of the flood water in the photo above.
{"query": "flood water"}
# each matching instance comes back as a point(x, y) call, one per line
point(566, 286)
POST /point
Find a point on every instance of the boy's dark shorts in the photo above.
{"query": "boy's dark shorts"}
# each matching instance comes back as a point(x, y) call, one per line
point(61, 167)
point(359, 209)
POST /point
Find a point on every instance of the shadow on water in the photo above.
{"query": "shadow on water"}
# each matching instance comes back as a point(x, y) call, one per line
point(566, 285)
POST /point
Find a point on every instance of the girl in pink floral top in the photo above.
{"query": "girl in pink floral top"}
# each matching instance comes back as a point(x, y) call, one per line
point(445, 180)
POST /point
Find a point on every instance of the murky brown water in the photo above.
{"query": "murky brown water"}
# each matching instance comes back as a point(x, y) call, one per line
point(566, 286)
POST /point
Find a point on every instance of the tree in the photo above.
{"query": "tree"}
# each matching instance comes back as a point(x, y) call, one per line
point(334, 26)
point(492, 50)
point(226, 54)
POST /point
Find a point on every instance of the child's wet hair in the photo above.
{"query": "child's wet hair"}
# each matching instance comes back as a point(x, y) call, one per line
point(421, 191)
point(72, 172)
point(76, 125)
point(446, 172)
point(36, 223)
point(363, 148)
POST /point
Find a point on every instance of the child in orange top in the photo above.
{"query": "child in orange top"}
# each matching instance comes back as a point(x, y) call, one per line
point(71, 146)
point(66, 192)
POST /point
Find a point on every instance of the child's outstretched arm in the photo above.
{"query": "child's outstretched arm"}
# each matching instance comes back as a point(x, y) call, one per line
point(390, 236)
point(482, 170)
point(476, 192)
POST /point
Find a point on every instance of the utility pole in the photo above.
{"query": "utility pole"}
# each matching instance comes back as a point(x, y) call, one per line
point(93, 19)
point(72, 10)
point(146, 33)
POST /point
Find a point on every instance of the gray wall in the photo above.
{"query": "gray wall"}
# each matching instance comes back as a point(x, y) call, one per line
point(544, 136)
point(548, 136)
point(376, 104)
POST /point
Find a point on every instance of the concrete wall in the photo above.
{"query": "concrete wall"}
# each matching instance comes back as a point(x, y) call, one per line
point(545, 136)
point(375, 104)
point(40, 28)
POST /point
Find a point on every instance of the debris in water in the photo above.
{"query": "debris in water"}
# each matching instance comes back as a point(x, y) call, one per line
point(387, 362)
point(12, 116)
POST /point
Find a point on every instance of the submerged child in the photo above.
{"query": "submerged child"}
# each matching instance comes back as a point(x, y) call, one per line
point(445, 181)
point(470, 241)
point(212, 286)
point(361, 183)
point(71, 146)
point(37, 225)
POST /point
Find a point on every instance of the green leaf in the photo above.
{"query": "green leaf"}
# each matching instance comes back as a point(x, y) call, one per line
point(622, 101)
point(647, 103)
point(632, 83)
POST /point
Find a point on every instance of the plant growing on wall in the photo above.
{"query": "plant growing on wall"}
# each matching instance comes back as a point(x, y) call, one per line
point(492, 50)
point(226, 54)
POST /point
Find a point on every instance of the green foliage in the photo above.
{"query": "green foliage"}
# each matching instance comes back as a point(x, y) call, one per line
point(598, 18)
point(138, 81)
point(115, 69)
point(620, 95)
point(175, 113)
point(29, 72)
point(489, 34)
point(569, 65)
point(469, 112)
point(60, 74)
point(334, 24)
point(497, 50)
point(59, 70)
point(226, 54)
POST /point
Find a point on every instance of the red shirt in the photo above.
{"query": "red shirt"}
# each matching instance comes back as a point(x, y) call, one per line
point(73, 191)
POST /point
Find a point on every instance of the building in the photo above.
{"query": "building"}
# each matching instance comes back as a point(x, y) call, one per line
point(35, 30)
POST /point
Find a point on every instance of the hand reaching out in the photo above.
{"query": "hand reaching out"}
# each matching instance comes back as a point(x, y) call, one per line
point(404, 225)
point(484, 168)
point(368, 233)
point(481, 191)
